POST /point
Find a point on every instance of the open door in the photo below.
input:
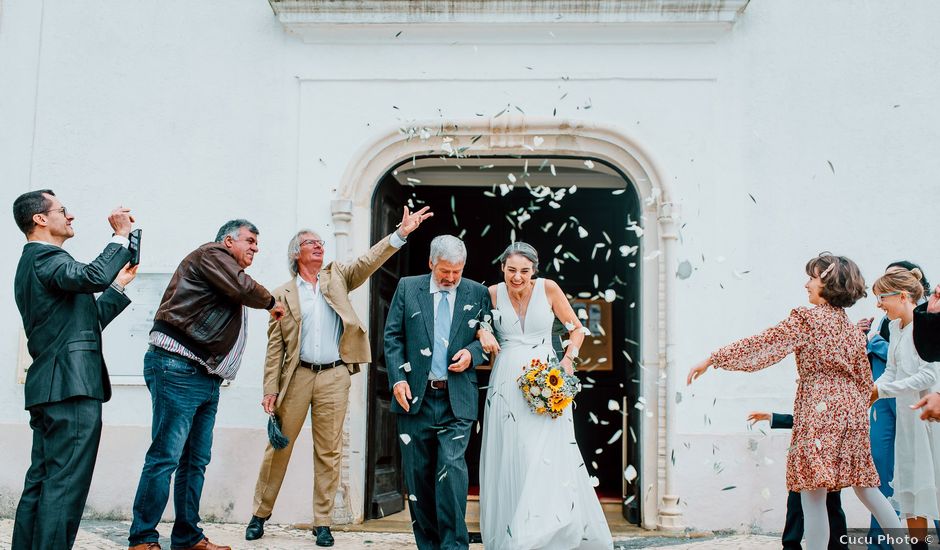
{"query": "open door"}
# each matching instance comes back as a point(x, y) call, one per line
point(384, 481)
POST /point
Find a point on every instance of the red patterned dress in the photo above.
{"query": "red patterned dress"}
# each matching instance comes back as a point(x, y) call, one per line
point(829, 446)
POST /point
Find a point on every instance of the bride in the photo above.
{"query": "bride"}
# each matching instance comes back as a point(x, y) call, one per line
point(535, 491)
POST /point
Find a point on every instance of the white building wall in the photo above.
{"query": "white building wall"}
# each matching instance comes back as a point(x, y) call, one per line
point(193, 113)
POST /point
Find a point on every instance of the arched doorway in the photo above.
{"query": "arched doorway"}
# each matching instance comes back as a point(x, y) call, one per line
point(364, 191)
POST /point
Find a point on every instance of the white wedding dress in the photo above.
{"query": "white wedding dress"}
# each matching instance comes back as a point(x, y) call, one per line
point(535, 491)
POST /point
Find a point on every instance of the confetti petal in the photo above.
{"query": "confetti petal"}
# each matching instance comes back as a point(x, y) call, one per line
point(684, 270)
point(589, 164)
point(426, 352)
point(610, 295)
point(406, 367)
point(468, 307)
point(630, 473)
point(613, 405)
point(537, 141)
point(405, 438)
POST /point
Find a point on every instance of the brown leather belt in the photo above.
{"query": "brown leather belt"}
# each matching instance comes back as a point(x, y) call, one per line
point(324, 366)
point(437, 384)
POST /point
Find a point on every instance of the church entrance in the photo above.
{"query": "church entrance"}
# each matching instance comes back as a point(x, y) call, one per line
point(582, 215)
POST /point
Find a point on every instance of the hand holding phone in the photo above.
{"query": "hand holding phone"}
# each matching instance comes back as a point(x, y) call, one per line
point(134, 246)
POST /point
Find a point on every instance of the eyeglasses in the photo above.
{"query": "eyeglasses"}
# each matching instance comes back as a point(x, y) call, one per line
point(63, 210)
point(885, 295)
point(318, 242)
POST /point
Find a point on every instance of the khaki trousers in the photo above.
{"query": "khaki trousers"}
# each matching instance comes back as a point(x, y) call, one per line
point(326, 395)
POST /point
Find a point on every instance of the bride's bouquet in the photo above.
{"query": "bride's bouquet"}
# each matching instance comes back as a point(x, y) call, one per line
point(547, 388)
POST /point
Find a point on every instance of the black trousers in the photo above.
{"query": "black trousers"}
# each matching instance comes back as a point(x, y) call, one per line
point(793, 529)
point(65, 446)
point(436, 472)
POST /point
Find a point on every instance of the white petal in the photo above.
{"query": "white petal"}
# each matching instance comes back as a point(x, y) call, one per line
point(426, 352)
point(582, 232)
point(406, 367)
point(405, 438)
point(412, 498)
point(537, 140)
point(468, 307)
point(589, 164)
point(594, 481)
point(511, 178)
point(610, 295)
point(613, 405)
point(630, 473)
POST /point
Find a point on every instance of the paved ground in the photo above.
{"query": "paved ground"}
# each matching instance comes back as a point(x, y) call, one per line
point(111, 535)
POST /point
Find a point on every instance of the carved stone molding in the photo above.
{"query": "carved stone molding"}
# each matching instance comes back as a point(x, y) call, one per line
point(514, 134)
point(604, 20)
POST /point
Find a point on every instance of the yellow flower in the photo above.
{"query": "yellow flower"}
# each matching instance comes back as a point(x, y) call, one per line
point(540, 410)
point(554, 380)
point(558, 402)
point(525, 389)
point(530, 376)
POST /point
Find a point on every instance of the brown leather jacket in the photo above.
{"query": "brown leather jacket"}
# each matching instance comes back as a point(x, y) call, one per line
point(202, 305)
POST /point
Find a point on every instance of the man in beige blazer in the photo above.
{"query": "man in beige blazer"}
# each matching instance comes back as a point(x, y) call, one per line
point(312, 351)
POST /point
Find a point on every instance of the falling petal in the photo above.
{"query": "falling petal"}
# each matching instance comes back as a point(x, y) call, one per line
point(467, 307)
point(405, 438)
point(485, 230)
point(537, 141)
point(406, 367)
point(552, 168)
point(412, 498)
point(582, 232)
point(511, 178)
point(630, 473)
point(595, 482)
point(610, 295)
point(589, 164)
point(615, 437)
point(685, 270)
point(729, 487)
point(426, 352)
point(613, 405)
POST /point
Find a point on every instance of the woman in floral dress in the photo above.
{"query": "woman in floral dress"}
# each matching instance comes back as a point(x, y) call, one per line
point(829, 449)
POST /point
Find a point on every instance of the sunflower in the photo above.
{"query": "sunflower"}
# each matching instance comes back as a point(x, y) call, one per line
point(557, 402)
point(554, 380)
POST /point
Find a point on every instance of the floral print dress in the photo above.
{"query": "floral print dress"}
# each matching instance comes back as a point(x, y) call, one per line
point(829, 448)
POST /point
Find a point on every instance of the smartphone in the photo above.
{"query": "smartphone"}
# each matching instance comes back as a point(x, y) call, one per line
point(134, 246)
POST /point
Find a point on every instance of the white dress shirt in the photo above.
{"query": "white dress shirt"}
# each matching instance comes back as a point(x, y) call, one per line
point(320, 326)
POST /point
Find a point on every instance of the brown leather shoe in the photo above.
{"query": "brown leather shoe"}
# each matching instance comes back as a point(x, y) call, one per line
point(145, 546)
point(204, 544)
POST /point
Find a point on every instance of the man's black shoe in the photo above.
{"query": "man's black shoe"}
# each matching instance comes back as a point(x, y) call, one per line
point(255, 529)
point(324, 537)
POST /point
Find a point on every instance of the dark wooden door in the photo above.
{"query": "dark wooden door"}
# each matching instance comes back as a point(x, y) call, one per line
point(384, 481)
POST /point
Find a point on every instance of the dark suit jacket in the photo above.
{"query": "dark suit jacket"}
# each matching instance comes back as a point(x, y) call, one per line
point(409, 329)
point(927, 333)
point(63, 320)
point(781, 421)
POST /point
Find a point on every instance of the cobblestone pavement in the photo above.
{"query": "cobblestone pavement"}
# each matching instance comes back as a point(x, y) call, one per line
point(111, 535)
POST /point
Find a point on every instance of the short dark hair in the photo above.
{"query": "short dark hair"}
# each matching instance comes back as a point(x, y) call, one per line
point(28, 205)
point(231, 227)
point(842, 280)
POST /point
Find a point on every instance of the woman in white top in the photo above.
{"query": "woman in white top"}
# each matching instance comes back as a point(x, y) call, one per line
point(908, 378)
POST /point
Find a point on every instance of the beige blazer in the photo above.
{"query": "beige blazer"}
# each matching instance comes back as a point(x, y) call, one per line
point(337, 280)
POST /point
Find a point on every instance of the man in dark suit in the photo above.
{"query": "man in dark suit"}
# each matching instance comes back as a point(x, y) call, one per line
point(68, 380)
point(793, 527)
point(432, 352)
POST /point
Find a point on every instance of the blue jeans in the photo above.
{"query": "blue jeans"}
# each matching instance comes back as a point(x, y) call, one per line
point(185, 399)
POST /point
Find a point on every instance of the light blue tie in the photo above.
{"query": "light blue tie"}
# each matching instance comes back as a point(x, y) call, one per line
point(441, 334)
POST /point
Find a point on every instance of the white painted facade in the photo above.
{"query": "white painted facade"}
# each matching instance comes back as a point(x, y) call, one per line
point(196, 112)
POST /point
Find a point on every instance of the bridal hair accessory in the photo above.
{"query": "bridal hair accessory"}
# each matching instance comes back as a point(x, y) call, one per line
point(827, 271)
point(547, 388)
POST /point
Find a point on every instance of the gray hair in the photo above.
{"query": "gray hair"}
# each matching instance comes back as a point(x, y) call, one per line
point(448, 248)
point(231, 228)
point(525, 250)
point(293, 249)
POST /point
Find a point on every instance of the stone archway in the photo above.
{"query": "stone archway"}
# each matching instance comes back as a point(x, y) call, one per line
point(520, 135)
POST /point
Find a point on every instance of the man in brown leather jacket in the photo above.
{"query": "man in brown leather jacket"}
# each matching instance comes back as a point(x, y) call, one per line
point(197, 341)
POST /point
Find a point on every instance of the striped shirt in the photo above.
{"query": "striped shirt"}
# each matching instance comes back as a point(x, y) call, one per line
point(226, 369)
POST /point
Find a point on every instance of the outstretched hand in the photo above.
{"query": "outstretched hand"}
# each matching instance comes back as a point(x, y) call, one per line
point(931, 407)
point(697, 370)
point(411, 221)
point(757, 416)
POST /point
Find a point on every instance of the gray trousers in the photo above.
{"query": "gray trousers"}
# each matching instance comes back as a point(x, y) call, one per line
point(436, 472)
point(65, 447)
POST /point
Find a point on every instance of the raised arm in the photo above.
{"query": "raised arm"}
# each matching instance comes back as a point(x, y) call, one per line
point(57, 269)
point(761, 350)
